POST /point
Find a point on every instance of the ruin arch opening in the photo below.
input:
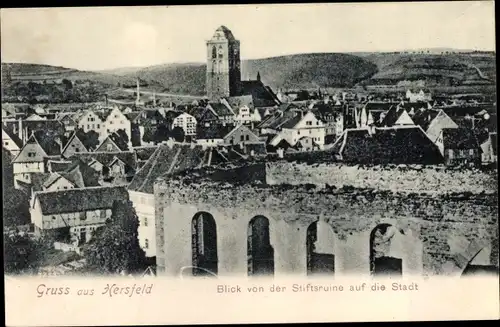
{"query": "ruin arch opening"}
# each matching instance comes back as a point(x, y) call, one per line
point(260, 253)
point(320, 249)
point(384, 259)
point(204, 245)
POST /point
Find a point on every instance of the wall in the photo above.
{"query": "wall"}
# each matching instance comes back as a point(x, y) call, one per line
point(144, 207)
point(435, 179)
point(430, 224)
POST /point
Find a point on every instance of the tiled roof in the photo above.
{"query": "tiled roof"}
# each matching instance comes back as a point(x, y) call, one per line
point(169, 159)
point(171, 115)
point(144, 152)
point(397, 145)
point(78, 200)
point(262, 95)
point(104, 113)
point(38, 180)
point(13, 136)
point(213, 132)
point(424, 117)
point(220, 109)
point(106, 158)
point(459, 138)
point(291, 123)
point(42, 125)
point(119, 141)
point(379, 105)
point(80, 174)
point(55, 165)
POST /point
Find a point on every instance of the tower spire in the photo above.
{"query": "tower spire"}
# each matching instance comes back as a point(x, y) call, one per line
point(258, 76)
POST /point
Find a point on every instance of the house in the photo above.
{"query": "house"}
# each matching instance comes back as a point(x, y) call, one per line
point(74, 213)
point(113, 143)
point(489, 148)
point(301, 125)
point(10, 141)
point(114, 120)
point(440, 121)
point(77, 175)
point(212, 135)
point(33, 155)
point(222, 111)
point(167, 159)
point(73, 145)
point(240, 134)
point(386, 145)
point(110, 170)
point(246, 111)
point(66, 119)
point(307, 143)
point(459, 146)
point(418, 96)
point(186, 122)
point(91, 121)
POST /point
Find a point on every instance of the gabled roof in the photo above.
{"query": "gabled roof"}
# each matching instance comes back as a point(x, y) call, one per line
point(392, 116)
point(115, 139)
point(32, 126)
point(459, 138)
point(262, 96)
point(172, 114)
point(78, 200)
point(73, 137)
point(424, 117)
point(104, 113)
point(396, 145)
point(105, 158)
point(240, 127)
point(12, 136)
point(172, 158)
point(220, 110)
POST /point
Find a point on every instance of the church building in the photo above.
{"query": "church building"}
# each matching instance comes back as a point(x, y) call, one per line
point(224, 73)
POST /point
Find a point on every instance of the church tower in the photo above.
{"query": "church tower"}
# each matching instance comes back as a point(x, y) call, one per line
point(223, 65)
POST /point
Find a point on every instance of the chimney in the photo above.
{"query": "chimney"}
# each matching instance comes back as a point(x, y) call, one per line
point(258, 76)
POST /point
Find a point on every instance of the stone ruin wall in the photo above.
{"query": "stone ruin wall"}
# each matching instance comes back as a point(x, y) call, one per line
point(443, 225)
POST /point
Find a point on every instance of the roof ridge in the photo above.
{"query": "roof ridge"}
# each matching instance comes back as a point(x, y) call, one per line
point(153, 163)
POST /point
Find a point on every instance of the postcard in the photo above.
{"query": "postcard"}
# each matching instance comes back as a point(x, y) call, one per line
point(250, 163)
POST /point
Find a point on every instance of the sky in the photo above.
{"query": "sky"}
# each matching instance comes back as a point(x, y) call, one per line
point(98, 38)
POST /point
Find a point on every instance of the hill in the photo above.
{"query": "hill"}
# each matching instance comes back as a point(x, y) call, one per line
point(33, 72)
point(433, 69)
point(293, 71)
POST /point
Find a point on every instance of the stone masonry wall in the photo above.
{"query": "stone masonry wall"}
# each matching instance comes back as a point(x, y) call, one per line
point(418, 179)
point(432, 224)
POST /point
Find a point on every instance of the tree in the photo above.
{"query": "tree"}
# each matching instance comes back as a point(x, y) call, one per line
point(23, 254)
point(162, 133)
point(149, 134)
point(115, 247)
point(90, 139)
point(67, 84)
point(178, 134)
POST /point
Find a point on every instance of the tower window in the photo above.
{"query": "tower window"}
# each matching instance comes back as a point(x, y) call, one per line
point(214, 52)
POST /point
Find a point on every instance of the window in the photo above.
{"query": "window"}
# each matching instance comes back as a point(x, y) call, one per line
point(214, 52)
point(31, 154)
point(471, 152)
point(98, 126)
point(146, 244)
point(298, 132)
point(309, 123)
point(242, 138)
point(77, 150)
point(450, 154)
point(6, 143)
point(121, 122)
point(247, 137)
point(88, 126)
point(116, 116)
point(111, 122)
point(145, 221)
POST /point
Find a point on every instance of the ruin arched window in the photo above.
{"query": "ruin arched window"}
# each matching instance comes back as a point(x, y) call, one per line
point(204, 245)
point(384, 257)
point(214, 52)
point(260, 253)
point(320, 245)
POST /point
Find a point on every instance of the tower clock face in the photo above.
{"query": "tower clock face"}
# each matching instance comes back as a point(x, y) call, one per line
point(221, 51)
